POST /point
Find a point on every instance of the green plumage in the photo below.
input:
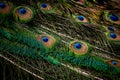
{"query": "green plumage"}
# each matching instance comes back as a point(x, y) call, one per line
point(46, 32)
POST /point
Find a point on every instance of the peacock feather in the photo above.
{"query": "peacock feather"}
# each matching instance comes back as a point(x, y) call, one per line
point(60, 39)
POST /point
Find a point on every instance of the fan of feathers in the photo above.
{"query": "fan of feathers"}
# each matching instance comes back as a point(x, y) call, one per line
point(60, 39)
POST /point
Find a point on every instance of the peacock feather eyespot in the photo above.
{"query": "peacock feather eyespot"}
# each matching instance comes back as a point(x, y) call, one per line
point(23, 14)
point(115, 63)
point(47, 40)
point(113, 35)
point(110, 28)
point(80, 18)
point(44, 6)
point(79, 47)
point(22, 11)
point(113, 17)
point(2, 5)
point(5, 7)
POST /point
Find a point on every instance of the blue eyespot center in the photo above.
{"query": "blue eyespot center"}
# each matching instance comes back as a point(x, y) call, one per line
point(43, 5)
point(113, 17)
point(77, 45)
point(113, 35)
point(2, 5)
point(81, 18)
point(45, 39)
point(22, 11)
point(114, 62)
point(111, 28)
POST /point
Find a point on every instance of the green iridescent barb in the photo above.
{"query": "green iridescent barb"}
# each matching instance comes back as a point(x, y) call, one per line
point(69, 33)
